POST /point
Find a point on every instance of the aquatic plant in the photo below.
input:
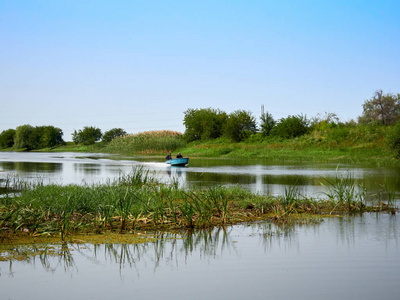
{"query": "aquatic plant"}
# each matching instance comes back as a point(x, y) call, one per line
point(344, 189)
point(136, 201)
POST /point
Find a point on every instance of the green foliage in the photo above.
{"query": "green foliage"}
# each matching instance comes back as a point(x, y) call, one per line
point(267, 124)
point(381, 108)
point(22, 137)
point(291, 127)
point(324, 122)
point(39, 137)
point(87, 136)
point(239, 126)
point(393, 139)
point(111, 134)
point(150, 142)
point(7, 138)
point(203, 124)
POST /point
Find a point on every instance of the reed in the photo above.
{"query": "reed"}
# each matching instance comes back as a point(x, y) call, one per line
point(345, 190)
point(149, 142)
point(136, 201)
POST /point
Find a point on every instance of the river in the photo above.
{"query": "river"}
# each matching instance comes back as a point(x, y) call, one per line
point(342, 258)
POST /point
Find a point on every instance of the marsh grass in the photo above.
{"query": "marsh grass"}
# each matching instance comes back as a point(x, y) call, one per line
point(343, 189)
point(137, 201)
point(148, 142)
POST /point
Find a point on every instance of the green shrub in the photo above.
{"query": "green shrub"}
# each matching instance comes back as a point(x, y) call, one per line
point(291, 127)
point(393, 139)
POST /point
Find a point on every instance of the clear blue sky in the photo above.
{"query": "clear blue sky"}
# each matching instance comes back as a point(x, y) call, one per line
point(140, 65)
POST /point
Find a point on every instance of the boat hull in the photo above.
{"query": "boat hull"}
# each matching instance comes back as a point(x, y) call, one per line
point(181, 162)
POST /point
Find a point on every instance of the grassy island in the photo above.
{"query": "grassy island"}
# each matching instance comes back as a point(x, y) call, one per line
point(136, 202)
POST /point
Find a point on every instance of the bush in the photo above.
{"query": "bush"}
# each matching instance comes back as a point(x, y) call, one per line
point(291, 127)
point(393, 139)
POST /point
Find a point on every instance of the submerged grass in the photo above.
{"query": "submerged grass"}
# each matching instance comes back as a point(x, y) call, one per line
point(137, 201)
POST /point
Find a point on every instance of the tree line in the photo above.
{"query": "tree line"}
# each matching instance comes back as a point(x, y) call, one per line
point(209, 123)
point(40, 137)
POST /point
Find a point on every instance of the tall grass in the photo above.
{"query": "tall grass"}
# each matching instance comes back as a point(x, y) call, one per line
point(136, 201)
point(149, 142)
point(345, 190)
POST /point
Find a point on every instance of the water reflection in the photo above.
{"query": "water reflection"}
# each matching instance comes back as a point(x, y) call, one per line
point(173, 249)
point(29, 167)
point(359, 254)
point(256, 176)
point(167, 247)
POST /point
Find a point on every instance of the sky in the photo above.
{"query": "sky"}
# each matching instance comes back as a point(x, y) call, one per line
point(139, 65)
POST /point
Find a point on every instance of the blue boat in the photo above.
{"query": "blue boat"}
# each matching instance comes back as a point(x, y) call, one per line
point(180, 162)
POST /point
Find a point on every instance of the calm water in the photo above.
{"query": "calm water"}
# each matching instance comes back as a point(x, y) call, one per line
point(342, 258)
point(257, 176)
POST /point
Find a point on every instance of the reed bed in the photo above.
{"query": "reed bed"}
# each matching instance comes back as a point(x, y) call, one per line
point(137, 201)
point(146, 143)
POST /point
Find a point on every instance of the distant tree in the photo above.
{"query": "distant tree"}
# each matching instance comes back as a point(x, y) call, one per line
point(39, 137)
point(203, 124)
point(7, 138)
point(267, 123)
point(87, 136)
point(323, 122)
point(50, 137)
point(291, 127)
point(239, 125)
point(22, 137)
point(381, 108)
point(111, 134)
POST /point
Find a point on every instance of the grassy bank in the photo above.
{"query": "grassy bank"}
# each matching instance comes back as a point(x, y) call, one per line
point(346, 144)
point(136, 202)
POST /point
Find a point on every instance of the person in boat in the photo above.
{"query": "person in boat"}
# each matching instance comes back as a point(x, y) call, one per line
point(179, 155)
point(168, 157)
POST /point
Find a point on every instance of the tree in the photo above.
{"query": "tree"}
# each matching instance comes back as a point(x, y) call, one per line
point(87, 136)
point(381, 108)
point(239, 125)
point(203, 124)
point(22, 137)
point(111, 134)
point(267, 123)
point(49, 137)
point(7, 138)
point(291, 127)
point(39, 137)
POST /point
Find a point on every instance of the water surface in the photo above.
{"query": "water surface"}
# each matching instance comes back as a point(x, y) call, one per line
point(342, 258)
point(255, 175)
